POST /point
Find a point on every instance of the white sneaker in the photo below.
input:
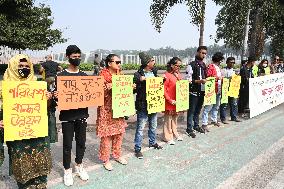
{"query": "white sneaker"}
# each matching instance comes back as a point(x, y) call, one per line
point(81, 172)
point(179, 138)
point(68, 177)
point(171, 142)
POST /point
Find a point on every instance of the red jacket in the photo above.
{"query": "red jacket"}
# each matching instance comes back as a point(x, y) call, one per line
point(170, 89)
point(211, 72)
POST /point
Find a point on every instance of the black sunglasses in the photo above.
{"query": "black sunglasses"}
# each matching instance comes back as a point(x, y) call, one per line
point(117, 62)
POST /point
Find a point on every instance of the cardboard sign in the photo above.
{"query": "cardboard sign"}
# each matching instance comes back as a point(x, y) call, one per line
point(210, 94)
point(25, 110)
point(225, 89)
point(234, 88)
point(80, 92)
point(182, 95)
point(122, 96)
point(155, 95)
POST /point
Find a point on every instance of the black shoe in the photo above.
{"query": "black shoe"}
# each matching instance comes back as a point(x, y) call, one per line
point(236, 120)
point(199, 129)
point(156, 146)
point(191, 134)
point(138, 154)
point(224, 122)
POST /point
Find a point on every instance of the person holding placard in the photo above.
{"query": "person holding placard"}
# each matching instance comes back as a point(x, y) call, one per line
point(30, 159)
point(245, 73)
point(263, 68)
point(228, 72)
point(73, 121)
point(214, 70)
point(147, 70)
point(110, 130)
point(170, 118)
point(196, 75)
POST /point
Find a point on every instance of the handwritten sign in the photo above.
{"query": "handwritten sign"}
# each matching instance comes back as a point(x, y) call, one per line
point(155, 95)
point(210, 94)
point(25, 110)
point(80, 92)
point(234, 88)
point(122, 96)
point(225, 88)
point(182, 95)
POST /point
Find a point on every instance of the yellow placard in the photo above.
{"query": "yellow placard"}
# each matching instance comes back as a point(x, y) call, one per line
point(155, 95)
point(225, 88)
point(25, 109)
point(210, 94)
point(234, 88)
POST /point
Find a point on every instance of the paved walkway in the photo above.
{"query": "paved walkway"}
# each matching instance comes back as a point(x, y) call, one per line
point(208, 161)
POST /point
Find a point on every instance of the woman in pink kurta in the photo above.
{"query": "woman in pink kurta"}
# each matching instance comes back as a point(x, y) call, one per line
point(110, 129)
point(171, 77)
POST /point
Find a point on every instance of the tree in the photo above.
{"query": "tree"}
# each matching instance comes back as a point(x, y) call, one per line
point(264, 16)
point(160, 9)
point(26, 26)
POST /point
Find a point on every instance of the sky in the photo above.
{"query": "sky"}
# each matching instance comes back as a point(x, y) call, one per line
point(126, 25)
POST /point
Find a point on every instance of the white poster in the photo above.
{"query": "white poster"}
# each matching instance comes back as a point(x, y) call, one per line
point(265, 92)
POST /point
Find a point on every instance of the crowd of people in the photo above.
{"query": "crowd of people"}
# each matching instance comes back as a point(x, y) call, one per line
point(30, 160)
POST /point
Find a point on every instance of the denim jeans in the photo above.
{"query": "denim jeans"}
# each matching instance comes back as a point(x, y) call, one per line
point(214, 108)
point(195, 106)
point(233, 104)
point(142, 118)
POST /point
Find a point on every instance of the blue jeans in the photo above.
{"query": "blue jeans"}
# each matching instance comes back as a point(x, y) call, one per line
point(233, 103)
point(195, 106)
point(214, 108)
point(142, 118)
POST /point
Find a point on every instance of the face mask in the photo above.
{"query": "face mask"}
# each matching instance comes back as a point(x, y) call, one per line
point(265, 65)
point(75, 61)
point(24, 72)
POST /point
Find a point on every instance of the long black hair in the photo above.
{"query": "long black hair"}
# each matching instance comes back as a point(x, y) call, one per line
point(172, 61)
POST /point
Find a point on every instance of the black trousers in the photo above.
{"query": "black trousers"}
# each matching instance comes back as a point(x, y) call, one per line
point(68, 129)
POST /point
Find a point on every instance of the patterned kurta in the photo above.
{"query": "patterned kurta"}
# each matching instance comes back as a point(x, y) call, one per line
point(106, 124)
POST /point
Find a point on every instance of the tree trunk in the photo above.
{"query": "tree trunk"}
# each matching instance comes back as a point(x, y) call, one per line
point(201, 32)
point(245, 42)
point(257, 35)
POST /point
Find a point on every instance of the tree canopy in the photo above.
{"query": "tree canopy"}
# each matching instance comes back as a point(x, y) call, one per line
point(265, 23)
point(23, 25)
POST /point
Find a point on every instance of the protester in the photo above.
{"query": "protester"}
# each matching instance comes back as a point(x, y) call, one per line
point(170, 117)
point(30, 159)
point(146, 70)
point(245, 73)
point(50, 69)
point(213, 70)
point(196, 75)
point(96, 65)
point(274, 65)
point(263, 68)
point(110, 130)
point(280, 68)
point(228, 72)
point(73, 121)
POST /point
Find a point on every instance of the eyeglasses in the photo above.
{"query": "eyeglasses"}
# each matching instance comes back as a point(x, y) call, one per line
point(204, 53)
point(117, 62)
point(232, 62)
point(177, 66)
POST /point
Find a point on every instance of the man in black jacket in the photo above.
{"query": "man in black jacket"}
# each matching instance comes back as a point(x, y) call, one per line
point(146, 70)
point(196, 74)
